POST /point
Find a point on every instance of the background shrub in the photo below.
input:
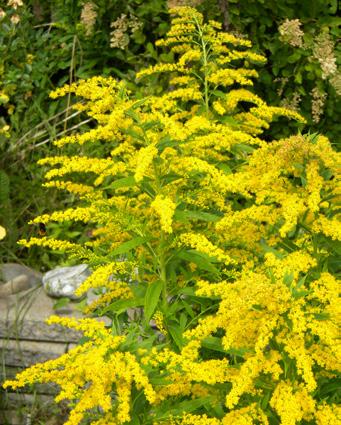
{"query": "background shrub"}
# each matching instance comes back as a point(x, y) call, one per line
point(47, 44)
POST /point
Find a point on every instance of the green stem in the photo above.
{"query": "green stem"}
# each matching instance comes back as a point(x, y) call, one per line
point(163, 274)
point(204, 52)
point(161, 251)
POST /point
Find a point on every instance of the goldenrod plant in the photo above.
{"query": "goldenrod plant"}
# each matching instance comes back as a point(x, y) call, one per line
point(213, 250)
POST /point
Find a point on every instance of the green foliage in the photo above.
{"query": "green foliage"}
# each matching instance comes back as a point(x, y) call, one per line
point(292, 72)
point(217, 234)
point(6, 213)
point(44, 45)
point(55, 43)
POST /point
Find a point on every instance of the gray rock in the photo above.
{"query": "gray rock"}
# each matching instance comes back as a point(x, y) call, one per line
point(17, 278)
point(26, 353)
point(10, 271)
point(64, 281)
point(23, 316)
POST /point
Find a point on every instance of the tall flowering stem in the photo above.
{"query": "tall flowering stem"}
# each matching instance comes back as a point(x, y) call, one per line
point(212, 249)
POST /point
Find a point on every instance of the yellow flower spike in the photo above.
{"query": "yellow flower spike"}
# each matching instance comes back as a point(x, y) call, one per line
point(328, 414)
point(98, 278)
point(76, 188)
point(202, 244)
point(189, 419)
point(144, 160)
point(54, 244)
point(292, 404)
point(245, 416)
point(159, 322)
point(164, 208)
point(227, 77)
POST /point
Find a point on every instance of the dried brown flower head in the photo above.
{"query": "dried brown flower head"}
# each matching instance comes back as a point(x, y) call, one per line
point(291, 33)
point(323, 51)
point(123, 27)
point(293, 102)
point(15, 19)
point(335, 81)
point(317, 103)
point(15, 3)
point(178, 3)
point(88, 17)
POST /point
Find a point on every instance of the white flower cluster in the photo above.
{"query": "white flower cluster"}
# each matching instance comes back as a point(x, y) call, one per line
point(123, 26)
point(291, 33)
point(323, 51)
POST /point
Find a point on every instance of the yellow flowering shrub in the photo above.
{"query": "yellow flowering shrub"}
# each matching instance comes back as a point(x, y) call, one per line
point(214, 251)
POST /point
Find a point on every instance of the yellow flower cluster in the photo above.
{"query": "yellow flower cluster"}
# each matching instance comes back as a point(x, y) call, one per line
point(296, 262)
point(73, 214)
point(103, 276)
point(75, 188)
point(227, 77)
point(54, 244)
point(88, 373)
point(164, 208)
point(292, 405)
point(328, 415)
point(202, 244)
point(237, 229)
point(159, 322)
point(144, 160)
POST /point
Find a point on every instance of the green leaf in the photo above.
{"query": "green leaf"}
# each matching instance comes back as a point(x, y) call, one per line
point(214, 343)
point(183, 321)
point(266, 248)
point(81, 305)
point(152, 298)
point(139, 103)
point(188, 309)
point(134, 134)
point(169, 178)
point(257, 307)
point(294, 57)
point(219, 94)
point(265, 399)
point(299, 294)
point(186, 215)
point(121, 306)
point(225, 168)
point(198, 259)
point(129, 245)
point(166, 142)
point(242, 148)
point(185, 406)
point(229, 121)
point(298, 78)
point(160, 380)
point(61, 303)
point(133, 115)
point(176, 335)
point(188, 290)
point(288, 279)
point(321, 316)
point(331, 387)
point(149, 124)
point(124, 182)
point(150, 49)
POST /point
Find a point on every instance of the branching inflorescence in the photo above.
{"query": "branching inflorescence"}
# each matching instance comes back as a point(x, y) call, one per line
point(226, 240)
